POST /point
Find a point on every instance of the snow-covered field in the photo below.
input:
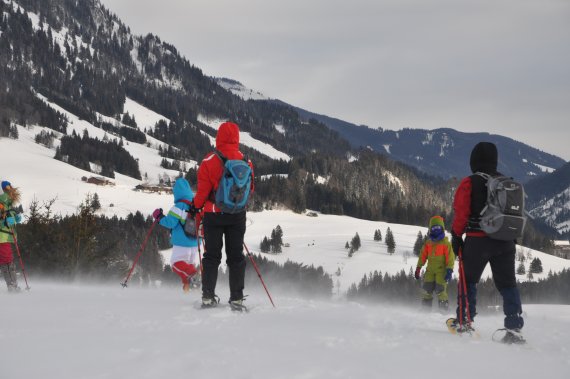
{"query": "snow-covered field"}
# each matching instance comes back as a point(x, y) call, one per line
point(58, 331)
point(321, 241)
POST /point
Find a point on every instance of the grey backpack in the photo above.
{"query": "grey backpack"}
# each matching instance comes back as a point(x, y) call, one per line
point(503, 217)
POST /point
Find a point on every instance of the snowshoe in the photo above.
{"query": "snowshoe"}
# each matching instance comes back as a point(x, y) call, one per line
point(510, 337)
point(237, 305)
point(14, 289)
point(455, 327)
point(210, 302)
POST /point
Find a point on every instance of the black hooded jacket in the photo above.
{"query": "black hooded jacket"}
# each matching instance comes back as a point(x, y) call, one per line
point(471, 195)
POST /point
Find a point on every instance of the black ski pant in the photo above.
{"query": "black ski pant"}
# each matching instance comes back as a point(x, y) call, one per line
point(479, 251)
point(220, 228)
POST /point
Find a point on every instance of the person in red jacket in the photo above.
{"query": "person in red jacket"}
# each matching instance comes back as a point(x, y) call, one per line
point(218, 225)
point(478, 249)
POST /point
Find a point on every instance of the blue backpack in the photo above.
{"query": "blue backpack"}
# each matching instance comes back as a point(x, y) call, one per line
point(234, 186)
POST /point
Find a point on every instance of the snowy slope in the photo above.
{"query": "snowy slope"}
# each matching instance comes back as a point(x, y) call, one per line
point(93, 332)
point(550, 210)
point(246, 139)
point(240, 90)
point(320, 241)
point(33, 169)
point(147, 155)
point(144, 117)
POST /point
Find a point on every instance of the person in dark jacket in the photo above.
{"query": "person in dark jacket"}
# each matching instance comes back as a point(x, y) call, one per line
point(478, 249)
point(219, 227)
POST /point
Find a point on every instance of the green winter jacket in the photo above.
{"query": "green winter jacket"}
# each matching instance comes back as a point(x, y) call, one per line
point(5, 206)
point(439, 256)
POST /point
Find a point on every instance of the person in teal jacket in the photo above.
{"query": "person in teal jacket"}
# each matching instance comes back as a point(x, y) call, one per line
point(184, 247)
point(440, 258)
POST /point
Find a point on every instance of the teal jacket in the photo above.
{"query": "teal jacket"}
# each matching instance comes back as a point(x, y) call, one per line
point(176, 216)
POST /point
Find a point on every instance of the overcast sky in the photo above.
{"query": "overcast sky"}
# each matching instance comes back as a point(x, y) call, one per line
point(497, 66)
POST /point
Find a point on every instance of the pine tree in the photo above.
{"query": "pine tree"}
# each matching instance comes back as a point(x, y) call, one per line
point(276, 248)
point(277, 236)
point(521, 269)
point(418, 244)
point(95, 203)
point(265, 246)
point(377, 235)
point(535, 266)
point(347, 246)
point(390, 242)
point(355, 243)
point(13, 132)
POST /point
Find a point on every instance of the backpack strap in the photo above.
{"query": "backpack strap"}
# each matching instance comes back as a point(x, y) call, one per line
point(483, 175)
point(221, 156)
point(187, 202)
point(224, 159)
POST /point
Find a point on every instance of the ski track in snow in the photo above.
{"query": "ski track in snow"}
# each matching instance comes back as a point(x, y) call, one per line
point(92, 331)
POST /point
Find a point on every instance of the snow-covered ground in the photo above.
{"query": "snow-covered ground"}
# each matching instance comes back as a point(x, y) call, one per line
point(58, 331)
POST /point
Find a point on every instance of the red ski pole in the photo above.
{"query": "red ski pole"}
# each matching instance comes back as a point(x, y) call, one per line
point(464, 300)
point(124, 284)
point(258, 273)
point(20, 257)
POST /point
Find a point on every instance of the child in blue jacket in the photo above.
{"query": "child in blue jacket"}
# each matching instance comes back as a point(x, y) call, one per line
point(184, 247)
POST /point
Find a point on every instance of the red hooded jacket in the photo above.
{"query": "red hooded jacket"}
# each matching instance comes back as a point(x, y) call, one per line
point(211, 168)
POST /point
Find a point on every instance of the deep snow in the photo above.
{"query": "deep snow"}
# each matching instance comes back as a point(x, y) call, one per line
point(58, 331)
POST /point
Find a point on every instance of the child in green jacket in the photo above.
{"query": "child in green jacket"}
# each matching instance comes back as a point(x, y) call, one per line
point(438, 253)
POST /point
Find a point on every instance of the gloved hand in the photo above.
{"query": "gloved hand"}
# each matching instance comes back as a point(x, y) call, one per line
point(417, 273)
point(448, 275)
point(456, 243)
point(10, 221)
point(193, 210)
point(157, 214)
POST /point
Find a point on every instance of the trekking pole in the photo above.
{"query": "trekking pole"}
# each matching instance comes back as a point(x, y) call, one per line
point(124, 284)
point(463, 290)
point(258, 273)
point(20, 257)
point(199, 250)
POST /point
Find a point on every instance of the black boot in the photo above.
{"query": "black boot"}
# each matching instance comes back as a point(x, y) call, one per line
point(443, 305)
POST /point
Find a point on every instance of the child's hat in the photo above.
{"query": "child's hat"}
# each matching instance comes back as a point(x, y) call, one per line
point(436, 220)
point(5, 184)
